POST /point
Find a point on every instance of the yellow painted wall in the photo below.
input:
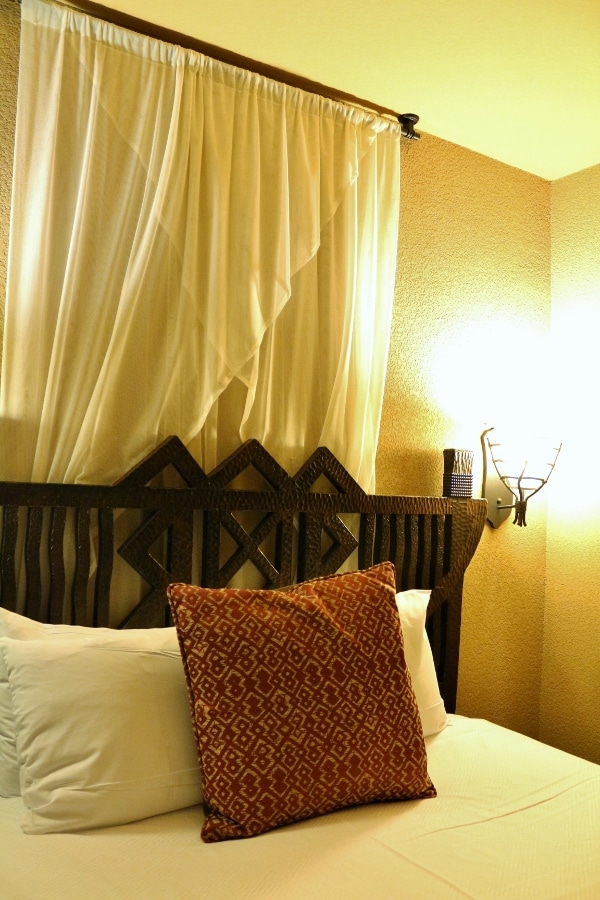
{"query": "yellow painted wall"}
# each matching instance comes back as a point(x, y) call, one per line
point(473, 273)
point(570, 690)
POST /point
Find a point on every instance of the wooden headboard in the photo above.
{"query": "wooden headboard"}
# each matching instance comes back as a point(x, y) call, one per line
point(71, 553)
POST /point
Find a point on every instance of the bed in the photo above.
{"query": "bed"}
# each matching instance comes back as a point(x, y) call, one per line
point(93, 582)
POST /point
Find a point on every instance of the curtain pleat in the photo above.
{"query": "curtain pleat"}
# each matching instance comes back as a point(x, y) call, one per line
point(194, 250)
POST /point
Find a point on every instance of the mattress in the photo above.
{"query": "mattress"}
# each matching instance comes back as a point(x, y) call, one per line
point(513, 818)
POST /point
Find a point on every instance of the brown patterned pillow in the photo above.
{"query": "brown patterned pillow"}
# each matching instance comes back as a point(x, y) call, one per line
point(301, 700)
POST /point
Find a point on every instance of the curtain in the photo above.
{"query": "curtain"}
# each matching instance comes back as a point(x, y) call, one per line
point(194, 249)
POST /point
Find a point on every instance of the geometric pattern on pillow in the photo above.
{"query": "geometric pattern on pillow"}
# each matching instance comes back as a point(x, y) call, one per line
point(301, 701)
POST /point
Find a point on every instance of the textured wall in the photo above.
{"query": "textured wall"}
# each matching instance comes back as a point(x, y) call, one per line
point(9, 62)
point(570, 695)
point(473, 275)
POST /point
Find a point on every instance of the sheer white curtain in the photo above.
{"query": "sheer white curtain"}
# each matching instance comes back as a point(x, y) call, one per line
point(194, 250)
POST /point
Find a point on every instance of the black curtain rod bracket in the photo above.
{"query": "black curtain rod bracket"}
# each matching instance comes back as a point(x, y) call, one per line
point(408, 122)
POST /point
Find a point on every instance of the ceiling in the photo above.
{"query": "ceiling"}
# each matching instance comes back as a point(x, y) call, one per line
point(516, 80)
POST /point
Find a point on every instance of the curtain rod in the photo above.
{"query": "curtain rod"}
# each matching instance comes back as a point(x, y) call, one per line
point(141, 26)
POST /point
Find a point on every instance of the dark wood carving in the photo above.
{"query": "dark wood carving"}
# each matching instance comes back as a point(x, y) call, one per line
point(63, 547)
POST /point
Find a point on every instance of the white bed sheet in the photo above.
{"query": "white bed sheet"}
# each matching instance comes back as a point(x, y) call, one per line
point(513, 819)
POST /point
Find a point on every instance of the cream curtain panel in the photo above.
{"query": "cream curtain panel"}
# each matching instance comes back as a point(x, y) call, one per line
point(194, 250)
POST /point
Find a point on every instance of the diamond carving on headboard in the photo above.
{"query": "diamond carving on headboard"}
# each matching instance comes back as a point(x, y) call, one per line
point(172, 453)
point(174, 524)
point(249, 532)
point(325, 541)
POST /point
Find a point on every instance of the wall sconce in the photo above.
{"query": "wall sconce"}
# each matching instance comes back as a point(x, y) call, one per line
point(515, 478)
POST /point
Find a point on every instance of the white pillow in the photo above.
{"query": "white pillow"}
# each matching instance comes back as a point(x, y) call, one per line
point(412, 608)
point(9, 767)
point(104, 733)
point(21, 628)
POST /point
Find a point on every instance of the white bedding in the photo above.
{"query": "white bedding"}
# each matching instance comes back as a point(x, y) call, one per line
point(513, 819)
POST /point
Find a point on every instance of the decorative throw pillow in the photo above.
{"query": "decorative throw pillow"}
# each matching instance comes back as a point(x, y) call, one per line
point(301, 700)
point(412, 608)
point(17, 627)
point(103, 731)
